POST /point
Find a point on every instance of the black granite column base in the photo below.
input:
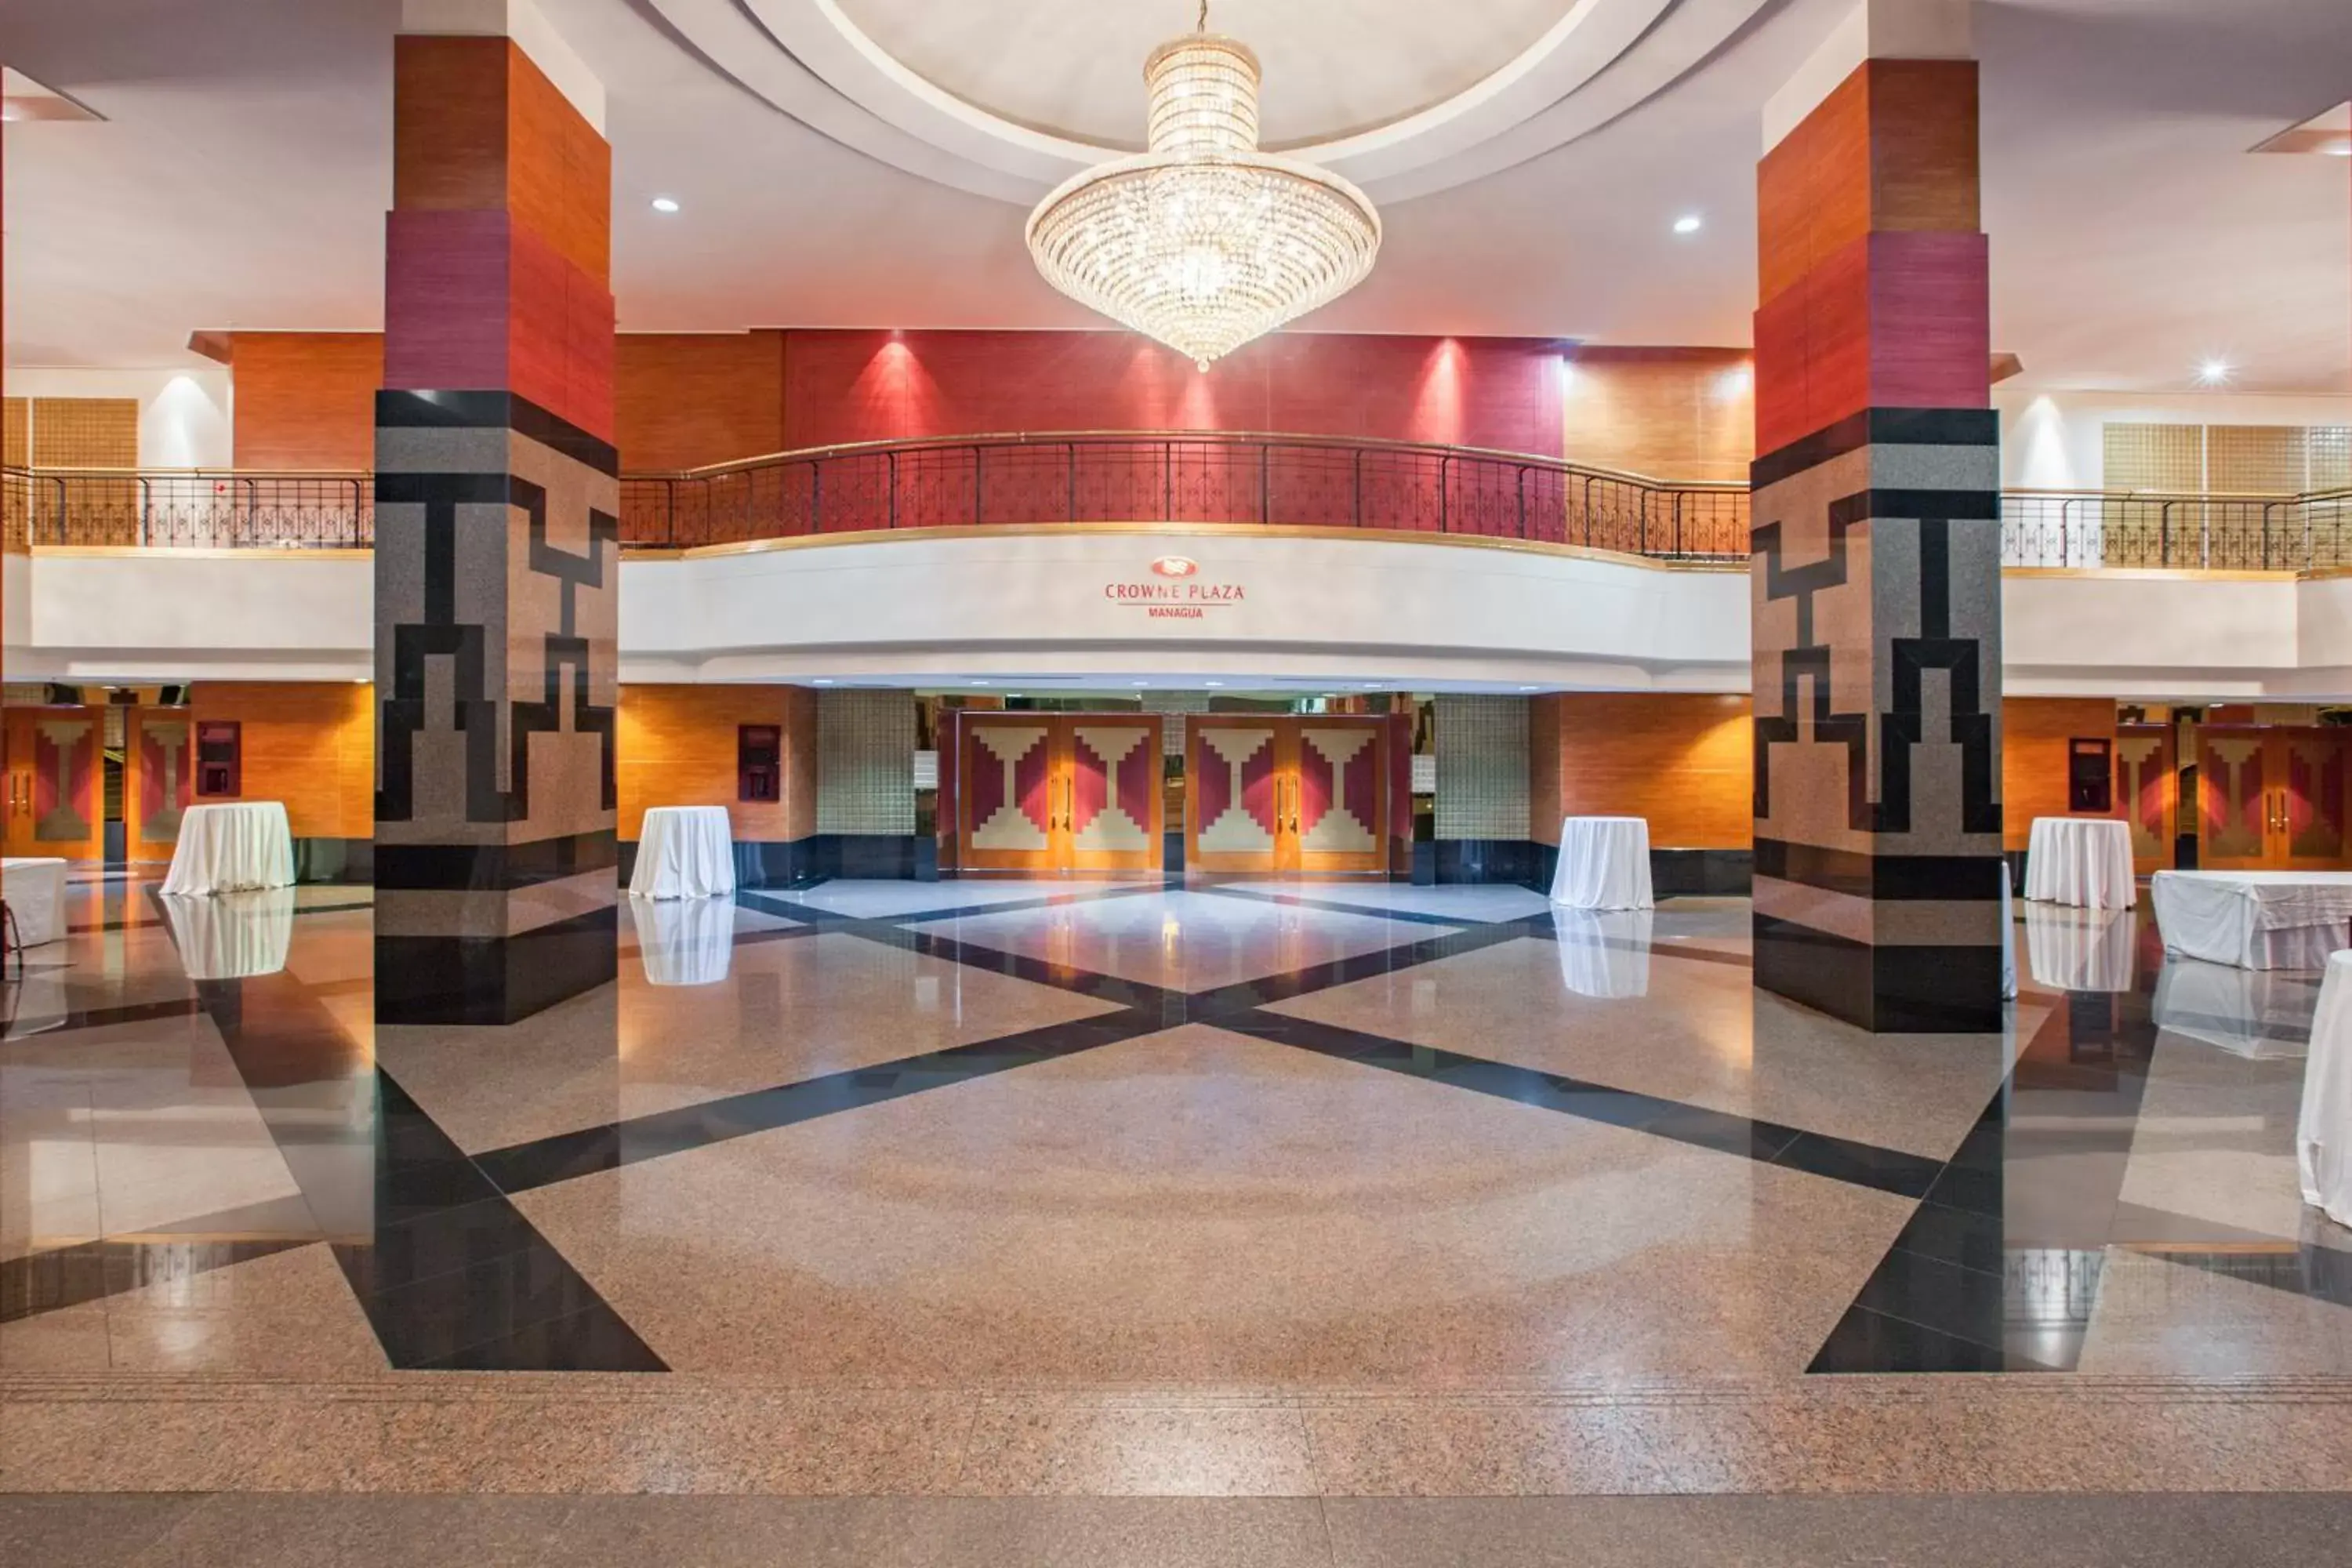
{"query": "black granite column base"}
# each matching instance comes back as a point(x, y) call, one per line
point(494, 979)
point(1887, 990)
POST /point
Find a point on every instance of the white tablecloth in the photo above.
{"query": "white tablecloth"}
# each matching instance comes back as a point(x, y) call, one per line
point(1604, 864)
point(2323, 1132)
point(35, 887)
point(2257, 919)
point(232, 936)
point(2080, 950)
point(232, 847)
point(2080, 860)
point(1605, 954)
point(685, 941)
point(684, 852)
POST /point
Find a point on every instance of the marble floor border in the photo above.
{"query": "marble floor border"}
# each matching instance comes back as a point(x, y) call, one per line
point(693, 1435)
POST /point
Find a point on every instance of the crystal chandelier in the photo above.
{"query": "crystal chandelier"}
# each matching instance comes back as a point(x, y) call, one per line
point(1204, 242)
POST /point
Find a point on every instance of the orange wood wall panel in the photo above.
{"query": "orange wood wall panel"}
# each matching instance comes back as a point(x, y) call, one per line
point(559, 170)
point(1670, 413)
point(2033, 735)
point(449, 123)
point(310, 744)
point(1684, 761)
point(676, 746)
point(305, 400)
point(685, 399)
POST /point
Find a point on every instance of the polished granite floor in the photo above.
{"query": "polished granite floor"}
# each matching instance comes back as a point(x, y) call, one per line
point(1251, 1190)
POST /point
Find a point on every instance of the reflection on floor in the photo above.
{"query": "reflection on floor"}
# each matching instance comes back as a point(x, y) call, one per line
point(1228, 1143)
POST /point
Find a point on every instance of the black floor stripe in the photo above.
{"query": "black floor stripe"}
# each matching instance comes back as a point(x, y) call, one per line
point(563, 1156)
point(1767, 1143)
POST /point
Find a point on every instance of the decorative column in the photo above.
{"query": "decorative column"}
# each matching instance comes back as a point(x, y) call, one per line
point(497, 555)
point(1876, 552)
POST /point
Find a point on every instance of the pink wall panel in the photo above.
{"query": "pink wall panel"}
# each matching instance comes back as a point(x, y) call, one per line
point(446, 300)
point(843, 387)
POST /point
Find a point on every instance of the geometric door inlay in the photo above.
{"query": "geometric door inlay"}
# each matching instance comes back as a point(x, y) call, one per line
point(2315, 796)
point(2234, 798)
point(63, 774)
point(1339, 791)
point(166, 779)
point(1114, 775)
point(1013, 814)
point(1242, 801)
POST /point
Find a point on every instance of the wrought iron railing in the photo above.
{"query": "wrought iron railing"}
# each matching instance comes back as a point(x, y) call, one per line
point(189, 507)
point(1172, 477)
point(1185, 477)
point(2208, 532)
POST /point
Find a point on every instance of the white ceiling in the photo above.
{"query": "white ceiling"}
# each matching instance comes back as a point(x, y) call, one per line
point(1076, 67)
point(242, 173)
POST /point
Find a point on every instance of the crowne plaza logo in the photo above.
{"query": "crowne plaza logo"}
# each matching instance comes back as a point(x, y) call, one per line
point(1180, 594)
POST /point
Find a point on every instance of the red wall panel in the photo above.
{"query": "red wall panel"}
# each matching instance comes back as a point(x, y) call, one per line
point(843, 387)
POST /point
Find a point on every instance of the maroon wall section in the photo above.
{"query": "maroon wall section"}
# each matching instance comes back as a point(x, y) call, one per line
point(842, 386)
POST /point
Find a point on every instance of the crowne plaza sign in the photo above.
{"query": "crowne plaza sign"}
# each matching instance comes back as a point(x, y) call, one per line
point(1175, 591)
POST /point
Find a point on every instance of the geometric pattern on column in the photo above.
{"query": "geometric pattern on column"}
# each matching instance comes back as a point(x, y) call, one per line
point(496, 563)
point(1876, 550)
point(1876, 601)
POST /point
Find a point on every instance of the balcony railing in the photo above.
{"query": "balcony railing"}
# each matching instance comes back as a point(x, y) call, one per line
point(2211, 531)
point(189, 507)
point(1185, 477)
point(1172, 477)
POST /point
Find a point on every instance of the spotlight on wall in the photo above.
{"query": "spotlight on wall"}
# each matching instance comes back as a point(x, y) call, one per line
point(664, 204)
point(1689, 223)
point(2215, 373)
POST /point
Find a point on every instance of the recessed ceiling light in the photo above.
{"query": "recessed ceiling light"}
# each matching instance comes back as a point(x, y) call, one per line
point(1531, 689)
point(1213, 683)
point(2214, 372)
point(822, 680)
point(664, 204)
point(980, 683)
point(1689, 223)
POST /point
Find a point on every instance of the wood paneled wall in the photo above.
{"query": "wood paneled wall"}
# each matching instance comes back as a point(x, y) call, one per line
point(1670, 413)
point(1684, 761)
point(309, 743)
point(2033, 735)
point(305, 400)
point(676, 746)
point(686, 399)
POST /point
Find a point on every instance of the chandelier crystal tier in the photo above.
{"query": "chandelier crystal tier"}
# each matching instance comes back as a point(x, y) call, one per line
point(1204, 242)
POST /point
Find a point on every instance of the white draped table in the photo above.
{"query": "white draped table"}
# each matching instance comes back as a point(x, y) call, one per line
point(232, 848)
point(2323, 1132)
point(2080, 860)
point(684, 852)
point(2255, 919)
point(1604, 864)
point(35, 887)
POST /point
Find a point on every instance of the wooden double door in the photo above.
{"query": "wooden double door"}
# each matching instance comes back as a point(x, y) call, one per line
point(2274, 798)
point(1270, 794)
point(1054, 794)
